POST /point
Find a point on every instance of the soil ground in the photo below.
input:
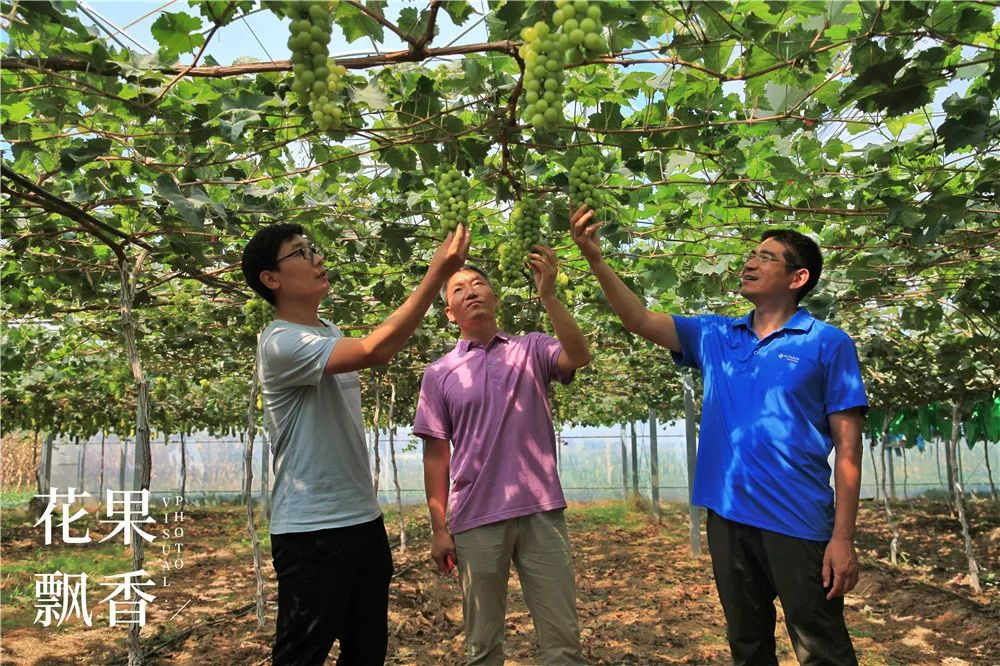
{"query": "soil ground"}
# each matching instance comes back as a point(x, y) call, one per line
point(642, 598)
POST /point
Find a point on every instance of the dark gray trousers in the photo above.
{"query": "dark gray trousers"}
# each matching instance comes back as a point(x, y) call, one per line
point(752, 567)
point(332, 584)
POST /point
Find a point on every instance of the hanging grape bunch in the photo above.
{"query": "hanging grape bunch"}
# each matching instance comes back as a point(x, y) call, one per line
point(453, 201)
point(257, 314)
point(317, 79)
point(333, 114)
point(508, 271)
point(543, 57)
point(580, 28)
point(526, 223)
point(584, 177)
point(562, 282)
point(577, 33)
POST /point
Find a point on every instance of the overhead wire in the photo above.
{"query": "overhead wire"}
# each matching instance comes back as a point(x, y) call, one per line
point(99, 19)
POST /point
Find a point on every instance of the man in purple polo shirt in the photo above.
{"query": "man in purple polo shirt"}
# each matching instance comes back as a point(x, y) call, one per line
point(487, 397)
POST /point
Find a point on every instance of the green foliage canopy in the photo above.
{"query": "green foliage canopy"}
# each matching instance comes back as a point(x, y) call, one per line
point(714, 120)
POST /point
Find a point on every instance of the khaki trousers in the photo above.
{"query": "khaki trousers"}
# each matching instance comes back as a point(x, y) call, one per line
point(539, 547)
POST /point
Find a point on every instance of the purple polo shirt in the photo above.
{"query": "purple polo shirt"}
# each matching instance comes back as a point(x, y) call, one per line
point(491, 403)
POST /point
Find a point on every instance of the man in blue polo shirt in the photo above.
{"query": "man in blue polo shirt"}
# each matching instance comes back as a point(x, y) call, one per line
point(782, 389)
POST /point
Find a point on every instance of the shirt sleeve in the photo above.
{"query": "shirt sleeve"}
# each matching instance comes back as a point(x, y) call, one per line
point(432, 420)
point(843, 384)
point(547, 350)
point(294, 357)
point(689, 332)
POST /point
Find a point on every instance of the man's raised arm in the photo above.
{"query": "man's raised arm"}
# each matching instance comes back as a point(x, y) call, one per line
point(575, 352)
point(389, 337)
point(635, 316)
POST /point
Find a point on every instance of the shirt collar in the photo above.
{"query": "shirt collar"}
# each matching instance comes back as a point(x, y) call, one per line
point(744, 321)
point(465, 344)
point(800, 321)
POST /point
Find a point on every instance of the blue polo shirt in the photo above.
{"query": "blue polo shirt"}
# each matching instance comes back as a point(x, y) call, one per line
point(764, 448)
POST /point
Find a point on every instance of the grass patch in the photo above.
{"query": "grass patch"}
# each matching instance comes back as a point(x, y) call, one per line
point(857, 632)
point(17, 523)
point(10, 499)
point(877, 660)
point(17, 586)
point(604, 514)
point(263, 536)
point(418, 525)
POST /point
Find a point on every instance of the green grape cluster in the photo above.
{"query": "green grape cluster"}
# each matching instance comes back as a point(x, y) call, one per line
point(257, 313)
point(580, 28)
point(317, 79)
point(544, 59)
point(576, 32)
point(526, 220)
point(562, 282)
point(584, 177)
point(453, 201)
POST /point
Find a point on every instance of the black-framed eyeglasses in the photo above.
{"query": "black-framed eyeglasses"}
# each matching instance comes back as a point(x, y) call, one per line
point(308, 253)
point(762, 258)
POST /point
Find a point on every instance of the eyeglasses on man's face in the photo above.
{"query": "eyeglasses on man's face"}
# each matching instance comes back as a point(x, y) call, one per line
point(308, 252)
point(766, 257)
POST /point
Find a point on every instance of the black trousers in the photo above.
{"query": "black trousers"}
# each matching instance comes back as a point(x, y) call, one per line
point(752, 566)
point(332, 584)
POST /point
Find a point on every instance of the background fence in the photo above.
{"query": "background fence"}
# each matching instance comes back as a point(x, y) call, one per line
point(590, 465)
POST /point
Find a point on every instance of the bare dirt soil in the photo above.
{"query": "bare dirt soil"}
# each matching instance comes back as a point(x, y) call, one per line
point(642, 598)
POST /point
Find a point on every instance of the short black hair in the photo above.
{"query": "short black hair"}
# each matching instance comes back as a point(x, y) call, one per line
point(466, 267)
point(261, 254)
point(800, 252)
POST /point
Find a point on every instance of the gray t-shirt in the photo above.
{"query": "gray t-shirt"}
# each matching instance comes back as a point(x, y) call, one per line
point(322, 477)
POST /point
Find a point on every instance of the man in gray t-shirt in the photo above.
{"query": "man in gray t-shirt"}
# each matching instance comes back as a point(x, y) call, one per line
point(321, 473)
point(328, 543)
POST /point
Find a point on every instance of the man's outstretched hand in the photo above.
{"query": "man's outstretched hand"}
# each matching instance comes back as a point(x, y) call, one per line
point(451, 254)
point(583, 229)
point(544, 266)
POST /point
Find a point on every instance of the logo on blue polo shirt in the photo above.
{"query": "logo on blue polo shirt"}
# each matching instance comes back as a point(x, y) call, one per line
point(789, 357)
